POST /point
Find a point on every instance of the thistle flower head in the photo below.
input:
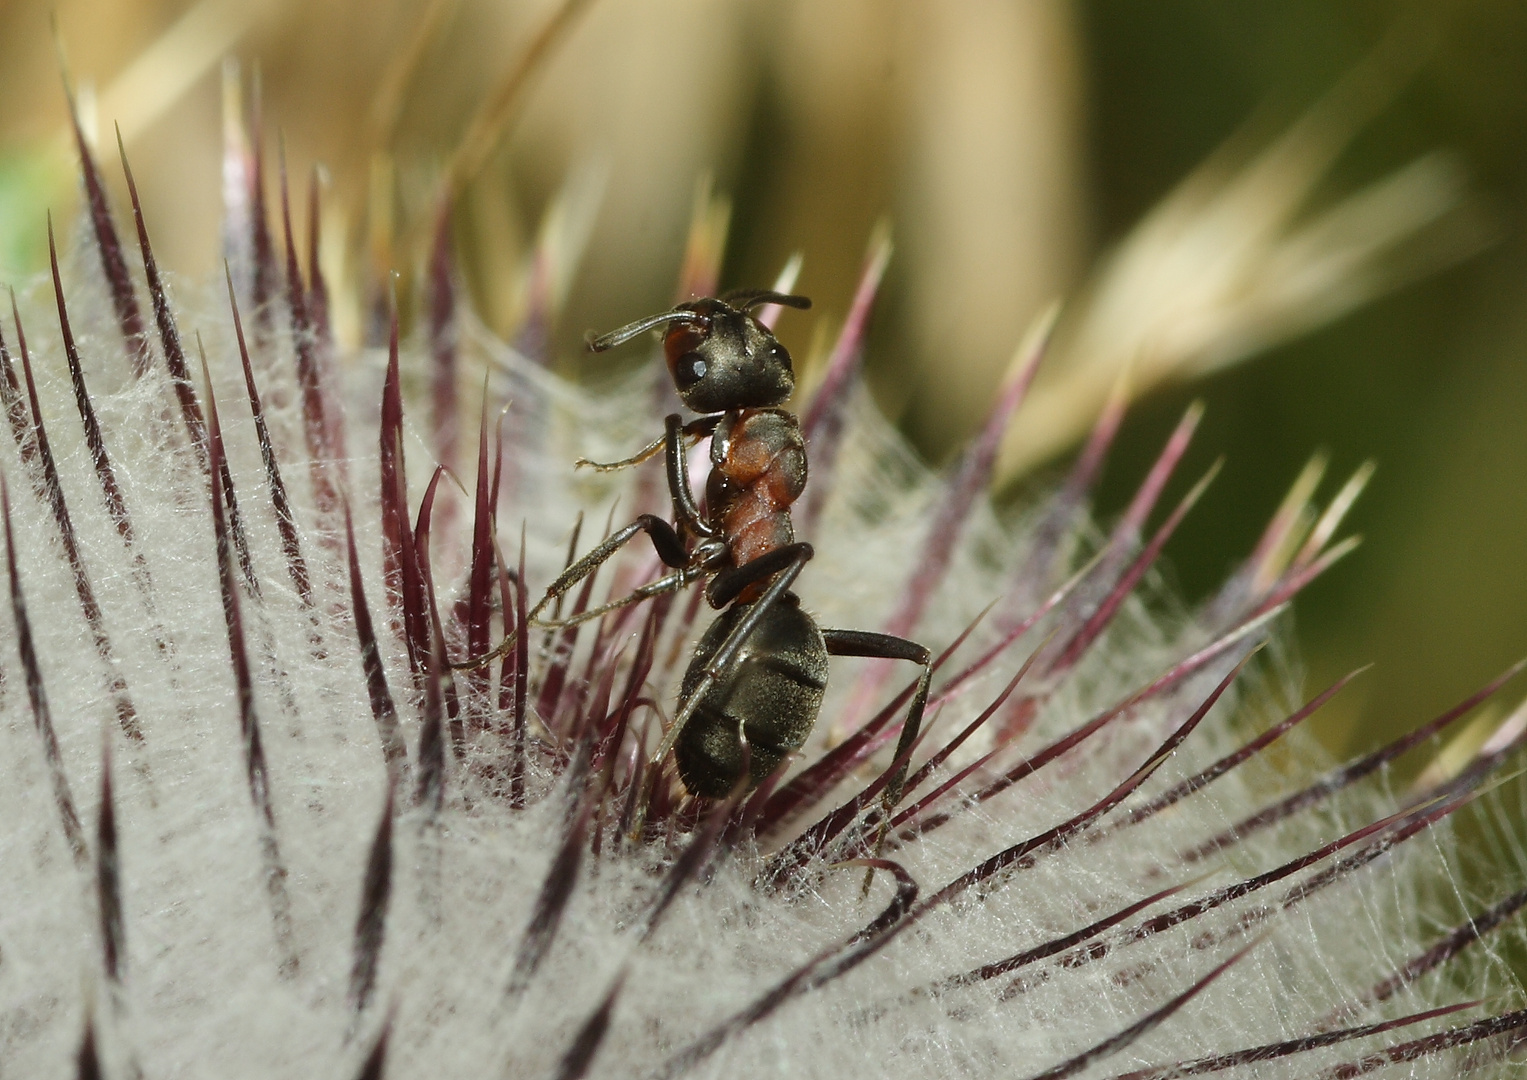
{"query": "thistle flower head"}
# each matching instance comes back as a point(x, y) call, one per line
point(257, 822)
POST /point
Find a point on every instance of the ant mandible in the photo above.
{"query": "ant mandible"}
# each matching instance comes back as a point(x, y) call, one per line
point(753, 688)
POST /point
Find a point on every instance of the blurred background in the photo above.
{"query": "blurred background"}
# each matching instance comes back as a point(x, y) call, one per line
point(1376, 266)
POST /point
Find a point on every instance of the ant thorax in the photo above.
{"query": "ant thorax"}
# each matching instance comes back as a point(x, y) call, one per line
point(758, 459)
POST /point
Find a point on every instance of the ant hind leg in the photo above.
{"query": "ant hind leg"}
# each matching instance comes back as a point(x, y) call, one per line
point(887, 647)
point(727, 585)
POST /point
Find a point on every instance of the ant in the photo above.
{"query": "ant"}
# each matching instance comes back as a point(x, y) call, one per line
point(754, 685)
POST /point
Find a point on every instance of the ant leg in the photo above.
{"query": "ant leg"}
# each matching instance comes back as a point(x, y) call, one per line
point(664, 540)
point(685, 510)
point(670, 583)
point(695, 429)
point(886, 647)
point(721, 659)
point(727, 585)
point(645, 453)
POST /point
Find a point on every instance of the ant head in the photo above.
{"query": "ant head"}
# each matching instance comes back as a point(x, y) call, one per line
point(719, 355)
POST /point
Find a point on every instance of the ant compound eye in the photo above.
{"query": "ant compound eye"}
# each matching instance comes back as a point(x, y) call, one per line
point(688, 370)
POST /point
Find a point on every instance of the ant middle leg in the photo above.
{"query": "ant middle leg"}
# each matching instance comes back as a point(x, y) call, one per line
point(668, 583)
point(730, 583)
point(665, 541)
point(665, 537)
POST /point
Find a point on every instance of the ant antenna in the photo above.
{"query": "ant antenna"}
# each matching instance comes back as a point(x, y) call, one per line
point(746, 299)
point(630, 330)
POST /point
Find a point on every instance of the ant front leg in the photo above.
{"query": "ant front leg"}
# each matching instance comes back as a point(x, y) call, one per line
point(695, 429)
point(886, 647)
point(665, 538)
point(686, 512)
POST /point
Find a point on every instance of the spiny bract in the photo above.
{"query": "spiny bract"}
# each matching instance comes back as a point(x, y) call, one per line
point(256, 827)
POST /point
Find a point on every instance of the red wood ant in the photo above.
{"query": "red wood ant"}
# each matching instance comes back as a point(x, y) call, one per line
point(754, 685)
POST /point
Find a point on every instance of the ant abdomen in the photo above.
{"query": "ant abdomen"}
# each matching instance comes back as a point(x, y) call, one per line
point(771, 693)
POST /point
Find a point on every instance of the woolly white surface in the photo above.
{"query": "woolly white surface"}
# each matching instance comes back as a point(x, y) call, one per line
point(203, 994)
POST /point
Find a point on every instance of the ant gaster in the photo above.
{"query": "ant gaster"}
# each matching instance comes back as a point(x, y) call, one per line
point(754, 685)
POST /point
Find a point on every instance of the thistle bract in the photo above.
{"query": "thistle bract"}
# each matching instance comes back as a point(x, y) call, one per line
point(258, 825)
